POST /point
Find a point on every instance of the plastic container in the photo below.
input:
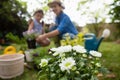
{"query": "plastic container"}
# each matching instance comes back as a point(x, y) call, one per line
point(28, 55)
point(11, 65)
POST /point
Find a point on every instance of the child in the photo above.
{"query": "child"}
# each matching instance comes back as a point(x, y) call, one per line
point(37, 26)
point(35, 23)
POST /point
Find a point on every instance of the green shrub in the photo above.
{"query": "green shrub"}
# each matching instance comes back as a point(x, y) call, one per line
point(15, 39)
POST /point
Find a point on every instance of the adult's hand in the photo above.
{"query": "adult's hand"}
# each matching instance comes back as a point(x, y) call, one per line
point(43, 40)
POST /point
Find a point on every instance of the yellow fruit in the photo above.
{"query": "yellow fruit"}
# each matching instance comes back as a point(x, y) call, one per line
point(10, 50)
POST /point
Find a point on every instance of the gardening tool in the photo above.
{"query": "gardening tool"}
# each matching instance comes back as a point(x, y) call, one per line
point(12, 50)
point(92, 43)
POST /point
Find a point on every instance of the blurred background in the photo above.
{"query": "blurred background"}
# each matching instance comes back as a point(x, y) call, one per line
point(88, 15)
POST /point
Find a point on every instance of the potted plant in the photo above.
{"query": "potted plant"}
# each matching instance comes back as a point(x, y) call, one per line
point(71, 63)
point(30, 38)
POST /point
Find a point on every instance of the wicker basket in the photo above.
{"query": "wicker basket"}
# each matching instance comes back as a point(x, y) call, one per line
point(11, 65)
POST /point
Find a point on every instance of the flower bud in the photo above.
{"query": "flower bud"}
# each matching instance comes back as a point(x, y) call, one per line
point(74, 68)
point(98, 64)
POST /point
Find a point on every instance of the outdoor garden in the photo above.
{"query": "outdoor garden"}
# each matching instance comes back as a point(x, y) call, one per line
point(93, 54)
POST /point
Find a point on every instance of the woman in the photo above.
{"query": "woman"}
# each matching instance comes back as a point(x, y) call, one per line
point(63, 23)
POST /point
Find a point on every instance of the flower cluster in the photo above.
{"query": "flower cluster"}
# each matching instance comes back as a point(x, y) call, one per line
point(72, 40)
point(32, 34)
point(71, 63)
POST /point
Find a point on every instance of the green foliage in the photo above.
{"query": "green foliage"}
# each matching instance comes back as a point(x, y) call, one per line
point(12, 16)
point(82, 2)
point(15, 38)
point(115, 11)
point(42, 52)
point(95, 15)
point(94, 28)
point(44, 4)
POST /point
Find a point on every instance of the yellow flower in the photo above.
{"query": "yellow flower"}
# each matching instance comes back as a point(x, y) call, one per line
point(80, 35)
point(78, 39)
point(63, 42)
point(74, 42)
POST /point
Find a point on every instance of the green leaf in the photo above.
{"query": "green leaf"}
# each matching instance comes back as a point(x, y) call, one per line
point(78, 79)
point(53, 75)
point(94, 78)
point(63, 78)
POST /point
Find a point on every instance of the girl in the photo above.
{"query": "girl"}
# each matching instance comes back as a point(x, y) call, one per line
point(35, 23)
point(37, 26)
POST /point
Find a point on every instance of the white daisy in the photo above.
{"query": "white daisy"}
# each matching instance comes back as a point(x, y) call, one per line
point(53, 49)
point(44, 62)
point(79, 49)
point(62, 49)
point(67, 64)
point(95, 53)
point(67, 48)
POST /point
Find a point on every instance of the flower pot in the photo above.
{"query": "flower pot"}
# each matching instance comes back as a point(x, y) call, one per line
point(11, 65)
point(31, 43)
point(28, 56)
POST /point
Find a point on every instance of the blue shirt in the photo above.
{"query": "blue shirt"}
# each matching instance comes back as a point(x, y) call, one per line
point(37, 26)
point(64, 25)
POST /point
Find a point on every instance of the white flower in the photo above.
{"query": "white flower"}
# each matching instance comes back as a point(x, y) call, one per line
point(67, 48)
point(67, 64)
point(95, 53)
point(57, 51)
point(79, 49)
point(77, 46)
point(62, 49)
point(53, 49)
point(44, 62)
point(56, 54)
point(50, 52)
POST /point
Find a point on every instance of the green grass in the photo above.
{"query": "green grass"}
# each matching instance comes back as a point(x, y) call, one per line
point(110, 60)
